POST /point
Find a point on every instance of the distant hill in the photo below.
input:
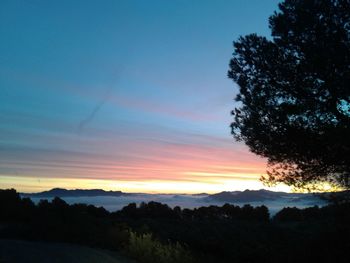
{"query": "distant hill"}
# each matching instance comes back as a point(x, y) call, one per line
point(337, 197)
point(246, 196)
point(200, 194)
point(60, 192)
point(255, 196)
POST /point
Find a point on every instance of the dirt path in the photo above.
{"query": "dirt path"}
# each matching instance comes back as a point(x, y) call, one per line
point(18, 251)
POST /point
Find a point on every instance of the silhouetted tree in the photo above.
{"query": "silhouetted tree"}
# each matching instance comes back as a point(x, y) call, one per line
point(289, 214)
point(294, 98)
point(130, 210)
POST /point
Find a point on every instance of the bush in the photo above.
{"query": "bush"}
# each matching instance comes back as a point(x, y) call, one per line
point(145, 248)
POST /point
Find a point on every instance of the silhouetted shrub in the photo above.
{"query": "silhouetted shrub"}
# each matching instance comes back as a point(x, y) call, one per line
point(147, 249)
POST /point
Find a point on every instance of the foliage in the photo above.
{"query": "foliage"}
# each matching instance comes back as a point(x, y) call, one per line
point(146, 248)
point(294, 98)
point(227, 211)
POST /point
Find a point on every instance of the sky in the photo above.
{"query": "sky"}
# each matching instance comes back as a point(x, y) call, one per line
point(124, 95)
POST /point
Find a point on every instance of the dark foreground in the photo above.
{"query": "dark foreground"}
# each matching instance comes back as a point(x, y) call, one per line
point(156, 233)
point(19, 251)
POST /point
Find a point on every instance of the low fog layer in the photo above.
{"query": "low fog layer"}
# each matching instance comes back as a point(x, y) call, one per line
point(112, 203)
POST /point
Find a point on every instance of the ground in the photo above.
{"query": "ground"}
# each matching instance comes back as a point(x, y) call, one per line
point(18, 251)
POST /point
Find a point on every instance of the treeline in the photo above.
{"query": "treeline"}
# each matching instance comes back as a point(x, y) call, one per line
point(58, 221)
point(225, 212)
point(154, 232)
point(340, 212)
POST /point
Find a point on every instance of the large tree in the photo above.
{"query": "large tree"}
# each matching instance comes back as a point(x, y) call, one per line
point(293, 105)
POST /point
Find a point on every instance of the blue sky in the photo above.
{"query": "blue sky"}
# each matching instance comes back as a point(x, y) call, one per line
point(123, 94)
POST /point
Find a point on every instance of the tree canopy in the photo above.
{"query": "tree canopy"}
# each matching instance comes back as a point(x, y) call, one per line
point(293, 105)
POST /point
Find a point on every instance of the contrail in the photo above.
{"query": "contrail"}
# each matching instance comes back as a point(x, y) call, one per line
point(99, 105)
point(96, 109)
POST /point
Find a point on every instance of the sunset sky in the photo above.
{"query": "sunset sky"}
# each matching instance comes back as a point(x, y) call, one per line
point(124, 95)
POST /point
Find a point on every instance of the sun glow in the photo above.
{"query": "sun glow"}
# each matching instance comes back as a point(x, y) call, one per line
point(31, 184)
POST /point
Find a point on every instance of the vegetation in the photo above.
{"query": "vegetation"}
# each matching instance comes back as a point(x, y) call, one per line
point(294, 98)
point(149, 250)
point(154, 232)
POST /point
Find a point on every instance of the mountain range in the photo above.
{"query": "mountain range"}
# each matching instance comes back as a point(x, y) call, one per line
point(258, 196)
point(61, 192)
point(235, 196)
point(116, 200)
